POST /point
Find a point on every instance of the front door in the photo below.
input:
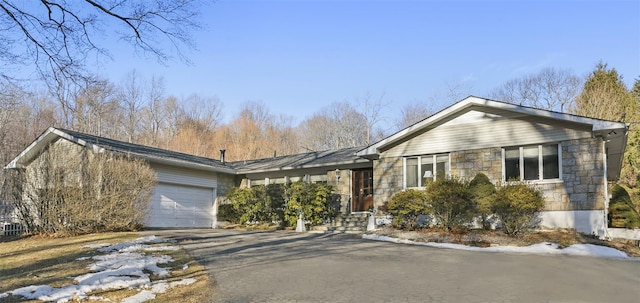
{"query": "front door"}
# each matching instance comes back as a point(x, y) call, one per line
point(362, 190)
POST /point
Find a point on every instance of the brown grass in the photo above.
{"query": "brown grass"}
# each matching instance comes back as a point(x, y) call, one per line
point(52, 261)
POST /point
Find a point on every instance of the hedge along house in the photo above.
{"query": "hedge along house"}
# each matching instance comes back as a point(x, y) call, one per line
point(350, 175)
point(187, 186)
point(569, 158)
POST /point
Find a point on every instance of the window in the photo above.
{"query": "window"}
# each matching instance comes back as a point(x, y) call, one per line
point(257, 182)
point(419, 170)
point(534, 162)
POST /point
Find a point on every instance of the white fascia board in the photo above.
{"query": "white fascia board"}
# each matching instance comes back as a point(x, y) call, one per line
point(47, 137)
point(42, 141)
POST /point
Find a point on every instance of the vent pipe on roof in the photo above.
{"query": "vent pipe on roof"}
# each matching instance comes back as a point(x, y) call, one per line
point(222, 151)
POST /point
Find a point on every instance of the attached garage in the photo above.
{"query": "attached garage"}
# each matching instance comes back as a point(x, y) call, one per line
point(187, 186)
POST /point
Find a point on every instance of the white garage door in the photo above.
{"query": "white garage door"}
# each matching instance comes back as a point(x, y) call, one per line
point(181, 206)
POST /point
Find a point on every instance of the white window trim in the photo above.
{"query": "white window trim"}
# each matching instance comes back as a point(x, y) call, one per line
point(540, 164)
point(433, 170)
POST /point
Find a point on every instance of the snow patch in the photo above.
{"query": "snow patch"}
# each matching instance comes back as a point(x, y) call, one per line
point(540, 248)
point(121, 266)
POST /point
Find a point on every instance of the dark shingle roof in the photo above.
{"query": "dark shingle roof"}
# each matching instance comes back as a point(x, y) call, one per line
point(147, 152)
point(327, 158)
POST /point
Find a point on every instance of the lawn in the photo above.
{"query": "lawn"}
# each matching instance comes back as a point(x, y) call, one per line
point(55, 261)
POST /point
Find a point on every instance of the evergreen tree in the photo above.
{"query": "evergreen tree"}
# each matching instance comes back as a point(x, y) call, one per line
point(605, 96)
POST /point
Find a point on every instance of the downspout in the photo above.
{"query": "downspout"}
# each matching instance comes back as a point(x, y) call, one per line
point(606, 189)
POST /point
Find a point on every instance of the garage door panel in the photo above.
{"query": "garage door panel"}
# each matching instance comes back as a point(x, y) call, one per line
point(175, 205)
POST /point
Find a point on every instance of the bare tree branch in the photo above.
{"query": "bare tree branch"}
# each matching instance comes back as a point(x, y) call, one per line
point(58, 36)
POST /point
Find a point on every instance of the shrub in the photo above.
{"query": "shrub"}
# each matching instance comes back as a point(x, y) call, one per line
point(482, 191)
point(258, 204)
point(621, 211)
point(243, 201)
point(449, 201)
point(406, 206)
point(516, 204)
point(313, 200)
point(226, 212)
point(275, 194)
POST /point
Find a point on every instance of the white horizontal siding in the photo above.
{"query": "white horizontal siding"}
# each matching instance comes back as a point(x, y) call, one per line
point(484, 132)
point(192, 177)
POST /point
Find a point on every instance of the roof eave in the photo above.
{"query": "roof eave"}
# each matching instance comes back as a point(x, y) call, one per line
point(285, 168)
point(180, 163)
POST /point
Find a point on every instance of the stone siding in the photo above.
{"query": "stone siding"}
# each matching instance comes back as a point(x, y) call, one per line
point(468, 163)
point(581, 188)
point(341, 187)
point(387, 179)
point(582, 175)
point(225, 183)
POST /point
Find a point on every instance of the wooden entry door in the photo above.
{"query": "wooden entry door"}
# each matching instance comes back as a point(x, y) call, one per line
point(362, 190)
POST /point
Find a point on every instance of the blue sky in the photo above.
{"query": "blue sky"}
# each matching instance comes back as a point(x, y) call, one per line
point(299, 56)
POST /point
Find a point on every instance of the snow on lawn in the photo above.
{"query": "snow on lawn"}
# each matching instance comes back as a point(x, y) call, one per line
point(121, 266)
point(540, 248)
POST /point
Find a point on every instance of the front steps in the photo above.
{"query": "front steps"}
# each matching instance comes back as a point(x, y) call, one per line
point(344, 224)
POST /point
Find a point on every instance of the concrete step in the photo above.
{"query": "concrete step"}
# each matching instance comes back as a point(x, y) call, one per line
point(346, 228)
point(352, 224)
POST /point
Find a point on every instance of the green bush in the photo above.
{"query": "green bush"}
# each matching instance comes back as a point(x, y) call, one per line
point(226, 212)
point(482, 191)
point(259, 204)
point(313, 200)
point(621, 210)
point(275, 193)
point(243, 201)
point(406, 206)
point(516, 204)
point(450, 202)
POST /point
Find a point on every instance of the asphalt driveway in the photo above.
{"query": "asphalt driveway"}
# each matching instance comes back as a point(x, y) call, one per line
point(292, 267)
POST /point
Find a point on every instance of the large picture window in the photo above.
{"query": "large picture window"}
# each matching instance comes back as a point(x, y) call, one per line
point(418, 170)
point(533, 162)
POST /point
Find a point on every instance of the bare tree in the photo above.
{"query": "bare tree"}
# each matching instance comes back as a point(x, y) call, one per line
point(207, 110)
point(153, 115)
point(551, 89)
point(59, 36)
point(412, 113)
point(372, 109)
point(131, 99)
point(199, 118)
point(338, 125)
